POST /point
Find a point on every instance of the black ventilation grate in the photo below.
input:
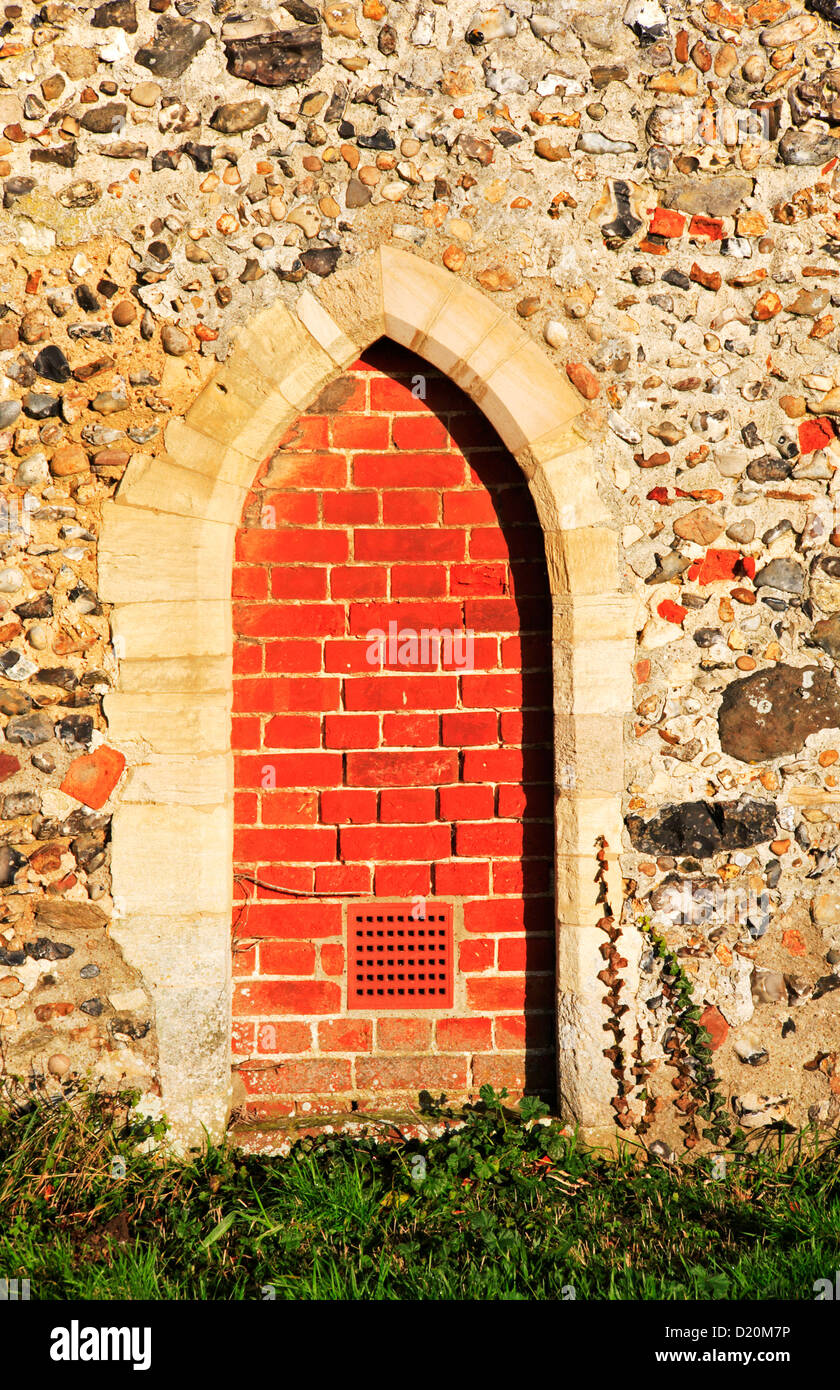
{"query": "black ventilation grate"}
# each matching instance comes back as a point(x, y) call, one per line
point(397, 960)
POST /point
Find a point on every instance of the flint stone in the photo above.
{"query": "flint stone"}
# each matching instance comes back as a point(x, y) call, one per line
point(718, 197)
point(176, 43)
point(703, 828)
point(276, 59)
point(117, 14)
point(806, 147)
point(786, 575)
point(771, 714)
point(826, 634)
point(237, 116)
point(106, 119)
point(44, 948)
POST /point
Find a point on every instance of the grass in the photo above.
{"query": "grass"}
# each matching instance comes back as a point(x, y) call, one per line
point(505, 1207)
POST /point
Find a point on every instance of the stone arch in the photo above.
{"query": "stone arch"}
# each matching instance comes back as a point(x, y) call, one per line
point(165, 566)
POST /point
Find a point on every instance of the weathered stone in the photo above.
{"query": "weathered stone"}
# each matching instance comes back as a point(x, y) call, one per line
point(770, 714)
point(719, 197)
point(57, 916)
point(175, 44)
point(786, 575)
point(703, 828)
point(118, 13)
point(276, 59)
point(237, 116)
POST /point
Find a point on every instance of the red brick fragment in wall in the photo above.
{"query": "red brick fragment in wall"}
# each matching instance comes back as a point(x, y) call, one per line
point(376, 779)
point(92, 777)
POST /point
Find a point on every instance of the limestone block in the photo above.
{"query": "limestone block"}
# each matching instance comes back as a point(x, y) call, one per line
point(525, 397)
point(413, 290)
point(162, 485)
point(155, 725)
point(151, 556)
point(588, 753)
point(189, 448)
point(141, 631)
point(586, 1085)
point(177, 675)
point(184, 781)
point(582, 561)
point(604, 617)
point(172, 860)
point(565, 492)
point(325, 330)
point(593, 677)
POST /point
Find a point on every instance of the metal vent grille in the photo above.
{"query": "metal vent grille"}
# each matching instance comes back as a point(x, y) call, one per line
point(397, 961)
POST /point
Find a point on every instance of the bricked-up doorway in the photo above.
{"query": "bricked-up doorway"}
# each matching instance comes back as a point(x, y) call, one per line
point(394, 776)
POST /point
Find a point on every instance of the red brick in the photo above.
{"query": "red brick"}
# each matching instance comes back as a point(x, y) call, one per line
point(284, 1037)
point(468, 507)
point(345, 1035)
point(276, 509)
point(267, 997)
point(476, 955)
point(533, 953)
point(348, 655)
point(289, 808)
point(463, 1034)
point(416, 581)
point(489, 992)
point(389, 395)
point(417, 431)
point(367, 617)
point(496, 765)
point(508, 915)
point(381, 692)
point(245, 808)
point(247, 659)
point(359, 581)
point(244, 732)
point(351, 731)
point(304, 1078)
point(292, 546)
point(463, 730)
point(517, 876)
point(302, 769)
point(347, 806)
point(288, 619)
point(343, 878)
point(479, 580)
point(250, 581)
point(410, 507)
point(284, 844)
point(466, 803)
point(332, 959)
point(245, 961)
point(401, 769)
point(402, 881)
point(410, 730)
point(385, 544)
point(494, 692)
point(403, 1034)
point(243, 1038)
point(414, 805)
point(488, 838)
point(298, 582)
point(526, 802)
point(461, 880)
point(361, 432)
point(403, 842)
point(308, 432)
point(292, 656)
point(268, 694)
point(293, 920)
point(412, 1074)
point(350, 508)
point(287, 958)
point(309, 470)
point(510, 1032)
